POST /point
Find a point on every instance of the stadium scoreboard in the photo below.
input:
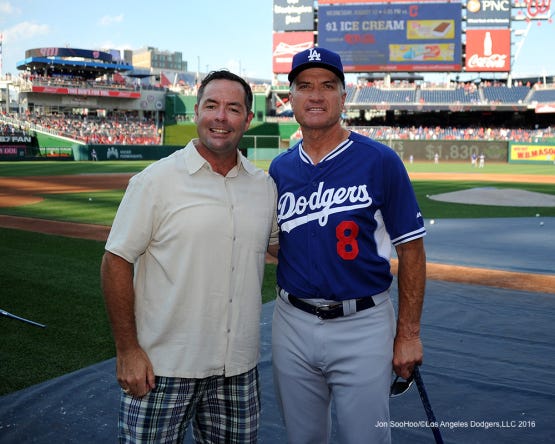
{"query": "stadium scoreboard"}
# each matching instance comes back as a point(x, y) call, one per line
point(397, 35)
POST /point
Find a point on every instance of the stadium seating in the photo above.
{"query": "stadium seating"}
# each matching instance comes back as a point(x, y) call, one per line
point(504, 94)
point(449, 95)
point(542, 96)
point(126, 128)
point(371, 94)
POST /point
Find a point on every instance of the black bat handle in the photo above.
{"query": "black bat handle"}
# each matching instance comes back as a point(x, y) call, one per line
point(427, 405)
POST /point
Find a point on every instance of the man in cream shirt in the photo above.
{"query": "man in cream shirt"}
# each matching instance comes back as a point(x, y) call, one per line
point(182, 277)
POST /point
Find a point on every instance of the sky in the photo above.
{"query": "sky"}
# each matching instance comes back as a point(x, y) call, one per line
point(211, 34)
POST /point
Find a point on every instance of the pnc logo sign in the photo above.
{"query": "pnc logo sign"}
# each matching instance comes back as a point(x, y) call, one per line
point(475, 6)
point(496, 5)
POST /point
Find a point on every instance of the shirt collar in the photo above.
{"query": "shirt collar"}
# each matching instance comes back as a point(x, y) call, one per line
point(194, 161)
point(335, 152)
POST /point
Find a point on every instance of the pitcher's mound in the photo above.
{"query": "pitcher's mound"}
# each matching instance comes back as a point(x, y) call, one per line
point(507, 197)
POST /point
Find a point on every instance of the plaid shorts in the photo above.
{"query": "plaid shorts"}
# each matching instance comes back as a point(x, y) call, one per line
point(222, 410)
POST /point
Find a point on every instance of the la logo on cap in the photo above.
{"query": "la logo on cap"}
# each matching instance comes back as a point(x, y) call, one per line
point(314, 55)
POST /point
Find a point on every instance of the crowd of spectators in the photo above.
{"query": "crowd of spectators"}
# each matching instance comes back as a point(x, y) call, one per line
point(134, 131)
point(385, 133)
point(7, 129)
point(119, 129)
point(116, 81)
point(131, 130)
point(452, 133)
point(467, 86)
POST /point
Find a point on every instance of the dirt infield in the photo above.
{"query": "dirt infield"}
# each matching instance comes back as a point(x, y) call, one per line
point(485, 177)
point(16, 191)
point(26, 190)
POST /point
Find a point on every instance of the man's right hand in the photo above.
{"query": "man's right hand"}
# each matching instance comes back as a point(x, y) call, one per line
point(134, 372)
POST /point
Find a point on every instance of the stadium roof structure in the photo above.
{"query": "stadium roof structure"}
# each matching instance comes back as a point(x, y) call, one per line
point(81, 63)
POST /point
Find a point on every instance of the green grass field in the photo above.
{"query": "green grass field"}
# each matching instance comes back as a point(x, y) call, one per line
point(465, 167)
point(55, 168)
point(55, 280)
point(100, 207)
point(43, 168)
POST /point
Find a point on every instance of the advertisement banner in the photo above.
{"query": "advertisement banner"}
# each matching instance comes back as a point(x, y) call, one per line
point(488, 50)
point(544, 108)
point(13, 152)
point(533, 153)
point(286, 45)
point(17, 146)
point(488, 13)
point(15, 139)
point(293, 16)
point(86, 92)
point(393, 37)
point(124, 152)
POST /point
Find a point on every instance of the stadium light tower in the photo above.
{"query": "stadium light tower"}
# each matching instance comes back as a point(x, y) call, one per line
point(523, 33)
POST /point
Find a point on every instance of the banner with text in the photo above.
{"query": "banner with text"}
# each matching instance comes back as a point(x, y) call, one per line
point(297, 16)
point(531, 153)
point(65, 90)
point(488, 13)
point(393, 37)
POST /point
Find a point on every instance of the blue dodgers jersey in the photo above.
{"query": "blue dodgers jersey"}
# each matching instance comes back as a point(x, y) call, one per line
point(340, 218)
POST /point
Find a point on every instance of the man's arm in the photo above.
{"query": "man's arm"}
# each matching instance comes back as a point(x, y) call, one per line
point(411, 278)
point(273, 250)
point(134, 369)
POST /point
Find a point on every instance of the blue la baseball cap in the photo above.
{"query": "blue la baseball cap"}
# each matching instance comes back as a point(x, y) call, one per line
point(316, 58)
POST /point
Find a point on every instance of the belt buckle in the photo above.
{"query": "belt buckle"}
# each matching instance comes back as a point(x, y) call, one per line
point(323, 311)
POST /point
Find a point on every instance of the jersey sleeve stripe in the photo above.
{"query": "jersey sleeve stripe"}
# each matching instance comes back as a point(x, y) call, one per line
point(409, 236)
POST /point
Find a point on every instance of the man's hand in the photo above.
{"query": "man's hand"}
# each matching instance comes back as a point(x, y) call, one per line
point(134, 372)
point(407, 353)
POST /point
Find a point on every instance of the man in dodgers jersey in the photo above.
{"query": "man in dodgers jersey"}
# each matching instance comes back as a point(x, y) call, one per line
point(343, 201)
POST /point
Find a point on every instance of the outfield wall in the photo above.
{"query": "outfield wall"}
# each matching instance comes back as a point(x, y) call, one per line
point(448, 150)
point(420, 150)
point(266, 147)
point(123, 152)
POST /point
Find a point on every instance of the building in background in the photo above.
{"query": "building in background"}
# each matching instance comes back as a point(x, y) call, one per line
point(156, 60)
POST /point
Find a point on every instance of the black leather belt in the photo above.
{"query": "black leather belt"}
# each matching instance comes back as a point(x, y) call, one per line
point(329, 311)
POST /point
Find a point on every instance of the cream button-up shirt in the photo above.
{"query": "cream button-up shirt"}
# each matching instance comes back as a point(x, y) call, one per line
point(198, 242)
